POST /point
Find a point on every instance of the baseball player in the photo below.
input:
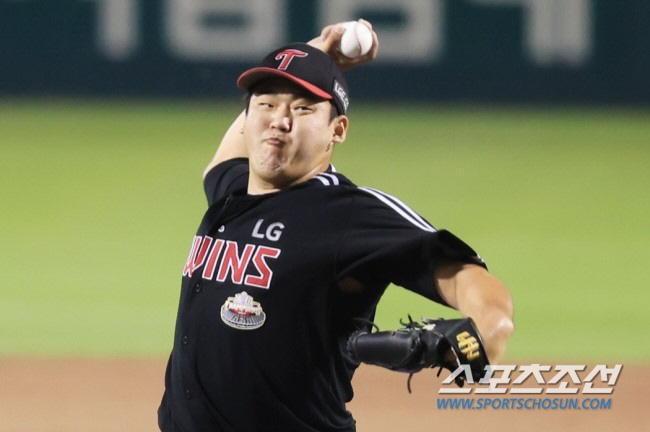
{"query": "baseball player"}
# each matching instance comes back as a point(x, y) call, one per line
point(291, 258)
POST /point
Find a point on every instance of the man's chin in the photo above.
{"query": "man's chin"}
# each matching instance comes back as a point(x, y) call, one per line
point(267, 167)
point(274, 174)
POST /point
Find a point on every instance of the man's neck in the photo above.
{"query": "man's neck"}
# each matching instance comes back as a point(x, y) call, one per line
point(259, 186)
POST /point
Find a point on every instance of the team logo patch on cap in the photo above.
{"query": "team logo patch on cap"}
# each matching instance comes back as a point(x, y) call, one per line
point(340, 92)
point(242, 312)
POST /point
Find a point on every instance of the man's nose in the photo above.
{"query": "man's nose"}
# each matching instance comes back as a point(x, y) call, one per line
point(281, 120)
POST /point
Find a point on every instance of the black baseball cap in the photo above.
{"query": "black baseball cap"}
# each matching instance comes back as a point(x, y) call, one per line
point(305, 65)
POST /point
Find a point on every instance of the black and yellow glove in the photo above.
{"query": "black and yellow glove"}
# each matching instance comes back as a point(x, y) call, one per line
point(434, 343)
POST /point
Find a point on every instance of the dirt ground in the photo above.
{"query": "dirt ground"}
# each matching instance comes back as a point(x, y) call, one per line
point(70, 395)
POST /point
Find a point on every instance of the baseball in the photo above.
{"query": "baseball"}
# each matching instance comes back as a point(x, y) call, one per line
point(356, 40)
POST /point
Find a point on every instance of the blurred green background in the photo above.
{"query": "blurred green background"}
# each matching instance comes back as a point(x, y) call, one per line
point(101, 199)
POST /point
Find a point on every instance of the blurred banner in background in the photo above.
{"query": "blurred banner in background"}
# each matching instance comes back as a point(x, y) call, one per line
point(580, 51)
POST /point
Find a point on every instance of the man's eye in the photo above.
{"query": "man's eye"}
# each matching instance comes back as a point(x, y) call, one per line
point(303, 108)
point(265, 104)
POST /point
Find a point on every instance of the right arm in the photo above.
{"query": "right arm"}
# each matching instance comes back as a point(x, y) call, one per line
point(232, 144)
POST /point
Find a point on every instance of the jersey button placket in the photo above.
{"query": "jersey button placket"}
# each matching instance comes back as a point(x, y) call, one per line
point(197, 287)
point(185, 340)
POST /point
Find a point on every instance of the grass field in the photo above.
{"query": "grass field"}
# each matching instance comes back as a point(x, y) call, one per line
point(101, 200)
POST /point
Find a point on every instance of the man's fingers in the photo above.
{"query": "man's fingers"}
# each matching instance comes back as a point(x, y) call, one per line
point(366, 23)
point(332, 38)
point(329, 41)
point(372, 54)
point(326, 31)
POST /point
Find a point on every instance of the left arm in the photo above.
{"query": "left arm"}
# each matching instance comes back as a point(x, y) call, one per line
point(478, 294)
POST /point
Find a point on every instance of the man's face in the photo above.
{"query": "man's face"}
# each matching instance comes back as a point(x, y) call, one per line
point(289, 133)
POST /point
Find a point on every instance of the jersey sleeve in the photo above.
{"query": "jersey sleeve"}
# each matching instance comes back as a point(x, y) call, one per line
point(387, 242)
point(225, 178)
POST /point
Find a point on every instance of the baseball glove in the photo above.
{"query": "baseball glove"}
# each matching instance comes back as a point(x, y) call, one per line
point(434, 343)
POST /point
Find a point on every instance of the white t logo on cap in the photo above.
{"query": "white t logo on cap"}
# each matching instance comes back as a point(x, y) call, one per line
point(287, 55)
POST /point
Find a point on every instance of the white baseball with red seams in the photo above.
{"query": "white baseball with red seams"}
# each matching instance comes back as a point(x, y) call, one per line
point(356, 40)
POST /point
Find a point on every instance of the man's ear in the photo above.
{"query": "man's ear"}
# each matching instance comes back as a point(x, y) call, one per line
point(339, 129)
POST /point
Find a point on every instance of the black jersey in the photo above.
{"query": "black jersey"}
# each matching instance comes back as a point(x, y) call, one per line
point(262, 323)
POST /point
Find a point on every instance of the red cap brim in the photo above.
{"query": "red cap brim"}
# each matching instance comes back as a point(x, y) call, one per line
point(253, 75)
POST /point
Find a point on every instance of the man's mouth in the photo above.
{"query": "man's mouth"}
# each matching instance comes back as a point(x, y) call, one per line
point(274, 141)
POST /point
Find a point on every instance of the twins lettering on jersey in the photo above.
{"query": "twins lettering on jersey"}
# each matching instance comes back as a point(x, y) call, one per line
point(224, 259)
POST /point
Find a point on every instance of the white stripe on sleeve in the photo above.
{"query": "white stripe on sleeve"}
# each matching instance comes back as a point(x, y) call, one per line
point(323, 180)
point(404, 207)
point(401, 208)
point(335, 180)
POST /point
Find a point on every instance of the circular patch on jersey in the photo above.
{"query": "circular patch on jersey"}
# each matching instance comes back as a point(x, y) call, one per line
point(242, 312)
